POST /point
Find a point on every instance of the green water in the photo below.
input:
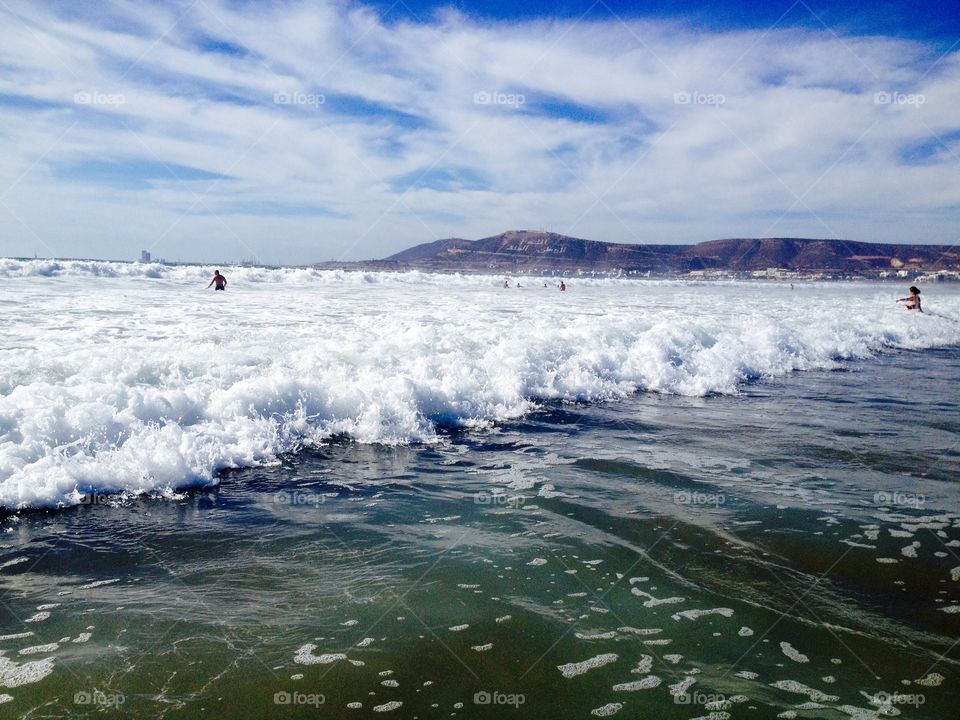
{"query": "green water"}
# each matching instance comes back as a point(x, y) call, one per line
point(441, 577)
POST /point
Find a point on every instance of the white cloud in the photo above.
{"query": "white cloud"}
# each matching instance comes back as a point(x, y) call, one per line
point(782, 134)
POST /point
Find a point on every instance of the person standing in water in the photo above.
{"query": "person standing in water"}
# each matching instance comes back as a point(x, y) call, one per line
point(563, 286)
point(219, 280)
point(913, 301)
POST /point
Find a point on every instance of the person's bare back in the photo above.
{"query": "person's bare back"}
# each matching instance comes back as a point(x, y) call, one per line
point(219, 280)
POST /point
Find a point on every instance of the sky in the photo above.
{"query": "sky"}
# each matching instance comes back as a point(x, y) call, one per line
point(295, 132)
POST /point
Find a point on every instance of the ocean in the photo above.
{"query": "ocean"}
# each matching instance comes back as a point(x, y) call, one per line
point(345, 495)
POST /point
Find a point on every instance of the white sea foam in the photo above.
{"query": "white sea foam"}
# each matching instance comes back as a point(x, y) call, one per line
point(794, 686)
point(607, 710)
point(387, 707)
point(792, 653)
point(647, 683)
point(609, 635)
point(678, 690)
point(98, 583)
point(14, 675)
point(695, 614)
point(644, 665)
point(571, 670)
point(39, 649)
point(652, 601)
point(128, 379)
point(930, 680)
point(910, 550)
point(305, 656)
point(639, 631)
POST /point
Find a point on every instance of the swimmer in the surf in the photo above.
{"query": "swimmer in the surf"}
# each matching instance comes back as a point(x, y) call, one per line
point(219, 280)
point(913, 301)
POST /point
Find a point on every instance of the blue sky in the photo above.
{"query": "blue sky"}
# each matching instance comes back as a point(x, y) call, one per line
point(928, 21)
point(294, 132)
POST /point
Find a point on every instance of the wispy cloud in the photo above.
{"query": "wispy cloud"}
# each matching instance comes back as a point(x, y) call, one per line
point(306, 131)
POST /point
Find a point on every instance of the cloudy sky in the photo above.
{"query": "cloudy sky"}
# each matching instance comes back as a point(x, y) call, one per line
point(302, 131)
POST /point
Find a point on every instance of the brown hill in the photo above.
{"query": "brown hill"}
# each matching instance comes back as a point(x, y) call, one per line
point(529, 251)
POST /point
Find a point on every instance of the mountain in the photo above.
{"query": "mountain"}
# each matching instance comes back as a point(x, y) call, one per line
point(531, 252)
point(528, 250)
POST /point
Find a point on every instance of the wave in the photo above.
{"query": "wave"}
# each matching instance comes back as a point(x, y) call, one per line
point(238, 274)
point(149, 392)
point(109, 269)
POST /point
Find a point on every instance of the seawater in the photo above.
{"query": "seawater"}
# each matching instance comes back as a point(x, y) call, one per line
point(366, 495)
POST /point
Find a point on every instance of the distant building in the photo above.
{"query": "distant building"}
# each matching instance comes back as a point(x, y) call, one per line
point(939, 276)
point(144, 256)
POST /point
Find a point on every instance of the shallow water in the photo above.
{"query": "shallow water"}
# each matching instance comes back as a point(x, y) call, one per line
point(815, 514)
point(131, 378)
